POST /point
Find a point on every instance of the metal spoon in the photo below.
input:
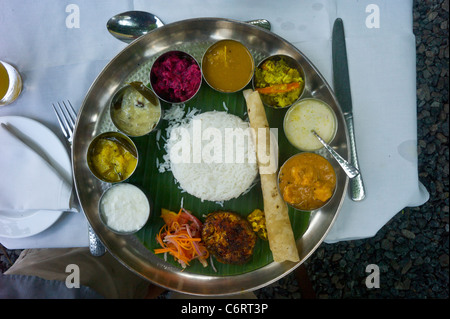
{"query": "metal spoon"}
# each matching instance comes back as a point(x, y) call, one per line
point(130, 25)
point(349, 169)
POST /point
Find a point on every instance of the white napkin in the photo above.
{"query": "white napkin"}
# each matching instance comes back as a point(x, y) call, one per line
point(27, 182)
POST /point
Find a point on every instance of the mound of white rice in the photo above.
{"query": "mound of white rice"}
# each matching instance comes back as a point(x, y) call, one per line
point(212, 156)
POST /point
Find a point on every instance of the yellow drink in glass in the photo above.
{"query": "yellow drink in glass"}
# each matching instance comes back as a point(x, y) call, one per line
point(10, 83)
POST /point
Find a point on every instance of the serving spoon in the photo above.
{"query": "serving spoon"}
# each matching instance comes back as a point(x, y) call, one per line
point(348, 168)
point(130, 25)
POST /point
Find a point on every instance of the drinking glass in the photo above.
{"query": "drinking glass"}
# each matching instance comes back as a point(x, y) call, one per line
point(10, 83)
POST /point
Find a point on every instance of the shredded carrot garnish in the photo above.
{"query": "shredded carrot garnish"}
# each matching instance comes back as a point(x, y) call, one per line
point(182, 241)
point(279, 88)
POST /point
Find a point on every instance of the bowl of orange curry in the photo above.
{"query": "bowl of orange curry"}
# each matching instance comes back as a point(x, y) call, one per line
point(307, 181)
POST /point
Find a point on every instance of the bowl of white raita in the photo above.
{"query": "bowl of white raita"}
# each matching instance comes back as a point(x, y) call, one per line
point(305, 116)
point(124, 208)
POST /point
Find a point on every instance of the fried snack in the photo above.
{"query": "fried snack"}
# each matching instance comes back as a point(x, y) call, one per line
point(279, 228)
point(229, 237)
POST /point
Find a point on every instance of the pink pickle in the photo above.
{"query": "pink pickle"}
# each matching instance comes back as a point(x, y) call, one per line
point(176, 78)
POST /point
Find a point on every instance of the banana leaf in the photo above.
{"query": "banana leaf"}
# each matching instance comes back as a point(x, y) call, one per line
point(164, 192)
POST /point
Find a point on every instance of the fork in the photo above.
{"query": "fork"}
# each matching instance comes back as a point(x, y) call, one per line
point(66, 115)
point(66, 118)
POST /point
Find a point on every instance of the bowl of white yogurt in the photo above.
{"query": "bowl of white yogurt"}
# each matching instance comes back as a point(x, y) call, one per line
point(305, 116)
point(124, 208)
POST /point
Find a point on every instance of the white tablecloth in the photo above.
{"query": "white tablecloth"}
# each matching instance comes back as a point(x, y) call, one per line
point(61, 46)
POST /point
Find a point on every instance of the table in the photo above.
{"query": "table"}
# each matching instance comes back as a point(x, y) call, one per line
point(60, 59)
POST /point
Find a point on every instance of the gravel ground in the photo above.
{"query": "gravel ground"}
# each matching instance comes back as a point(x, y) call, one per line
point(411, 250)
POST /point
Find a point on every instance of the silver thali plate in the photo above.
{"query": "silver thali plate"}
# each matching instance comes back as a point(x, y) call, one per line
point(133, 63)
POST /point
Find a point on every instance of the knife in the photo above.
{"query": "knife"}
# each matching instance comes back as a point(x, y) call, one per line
point(38, 150)
point(341, 81)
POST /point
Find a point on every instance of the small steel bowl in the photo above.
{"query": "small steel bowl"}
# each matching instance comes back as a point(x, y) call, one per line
point(308, 126)
point(209, 81)
point(115, 197)
point(291, 62)
point(123, 124)
point(119, 138)
point(302, 208)
point(165, 95)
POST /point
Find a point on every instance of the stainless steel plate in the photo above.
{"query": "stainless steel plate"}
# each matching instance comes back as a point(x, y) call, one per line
point(133, 63)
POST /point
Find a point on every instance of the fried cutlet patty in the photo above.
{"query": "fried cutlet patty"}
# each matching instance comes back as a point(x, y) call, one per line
point(229, 237)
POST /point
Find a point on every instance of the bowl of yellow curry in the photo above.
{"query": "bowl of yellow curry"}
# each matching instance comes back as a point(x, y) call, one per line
point(227, 66)
point(112, 157)
point(307, 181)
point(280, 81)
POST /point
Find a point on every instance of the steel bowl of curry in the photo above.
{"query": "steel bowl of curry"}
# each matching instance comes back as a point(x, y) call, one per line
point(112, 157)
point(307, 181)
point(280, 81)
point(227, 66)
point(135, 110)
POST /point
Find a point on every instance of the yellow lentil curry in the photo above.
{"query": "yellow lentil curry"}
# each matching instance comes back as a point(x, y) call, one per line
point(307, 181)
point(278, 83)
point(112, 161)
point(228, 66)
